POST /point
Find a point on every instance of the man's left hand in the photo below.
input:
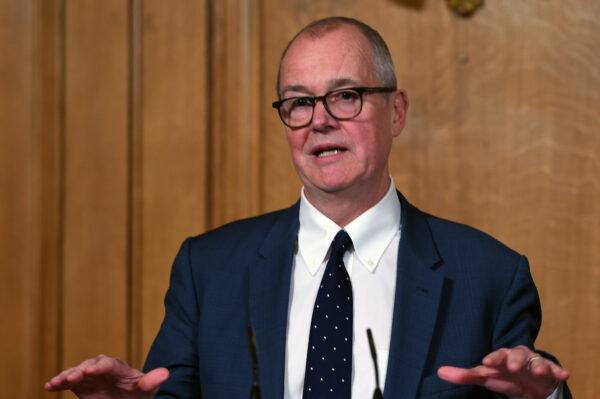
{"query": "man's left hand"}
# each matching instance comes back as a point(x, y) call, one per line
point(515, 372)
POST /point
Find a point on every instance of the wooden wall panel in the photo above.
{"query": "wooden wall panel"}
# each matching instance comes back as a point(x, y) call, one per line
point(96, 159)
point(48, 127)
point(236, 136)
point(502, 134)
point(29, 200)
point(170, 146)
point(19, 250)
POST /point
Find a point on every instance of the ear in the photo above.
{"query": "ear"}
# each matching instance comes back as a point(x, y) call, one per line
point(399, 100)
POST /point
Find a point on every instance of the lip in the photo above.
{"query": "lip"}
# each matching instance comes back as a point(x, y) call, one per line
point(328, 150)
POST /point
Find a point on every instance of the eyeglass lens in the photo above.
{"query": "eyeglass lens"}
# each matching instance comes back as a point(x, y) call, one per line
point(341, 104)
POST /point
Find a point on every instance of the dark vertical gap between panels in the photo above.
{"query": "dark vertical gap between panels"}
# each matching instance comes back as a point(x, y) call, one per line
point(36, 110)
point(209, 156)
point(46, 62)
point(62, 151)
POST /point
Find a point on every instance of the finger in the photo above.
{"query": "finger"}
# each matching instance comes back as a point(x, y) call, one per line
point(153, 379)
point(99, 366)
point(553, 370)
point(75, 376)
point(53, 387)
point(542, 381)
point(63, 374)
point(558, 372)
point(517, 358)
point(102, 365)
point(87, 363)
point(495, 359)
point(545, 375)
point(541, 368)
point(476, 375)
point(64, 378)
point(59, 381)
point(55, 384)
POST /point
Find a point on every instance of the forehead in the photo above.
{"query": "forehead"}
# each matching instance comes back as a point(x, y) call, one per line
point(321, 62)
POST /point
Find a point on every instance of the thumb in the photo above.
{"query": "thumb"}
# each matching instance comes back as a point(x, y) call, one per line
point(458, 375)
point(153, 379)
point(455, 375)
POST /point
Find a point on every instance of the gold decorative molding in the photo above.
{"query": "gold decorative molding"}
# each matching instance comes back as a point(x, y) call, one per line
point(464, 8)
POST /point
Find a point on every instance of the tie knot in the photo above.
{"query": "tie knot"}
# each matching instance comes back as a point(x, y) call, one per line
point(341, 243)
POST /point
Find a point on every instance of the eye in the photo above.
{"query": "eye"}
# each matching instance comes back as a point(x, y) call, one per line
point(343, 96)
point(301, 102)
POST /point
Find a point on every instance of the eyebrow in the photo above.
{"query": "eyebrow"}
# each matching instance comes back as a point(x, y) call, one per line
point(332, 84)
point(337, 83)
point(299, 88)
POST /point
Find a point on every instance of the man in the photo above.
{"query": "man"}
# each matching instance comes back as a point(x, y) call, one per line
point(454, 313)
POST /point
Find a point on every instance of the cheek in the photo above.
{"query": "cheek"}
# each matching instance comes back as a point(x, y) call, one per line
point(371, 145)
point(375, 150)
point(296, 141)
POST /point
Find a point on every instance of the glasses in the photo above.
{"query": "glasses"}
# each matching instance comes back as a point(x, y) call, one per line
point(342, 104)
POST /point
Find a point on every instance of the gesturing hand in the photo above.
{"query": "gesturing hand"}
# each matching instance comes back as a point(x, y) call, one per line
point(515, 372)
point(105, 377)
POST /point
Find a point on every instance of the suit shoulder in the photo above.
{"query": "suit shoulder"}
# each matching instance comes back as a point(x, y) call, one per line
point(475, 261)
point(458, 238)
point(249, 230)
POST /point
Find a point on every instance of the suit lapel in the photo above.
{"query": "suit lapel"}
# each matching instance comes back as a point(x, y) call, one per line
point(269, 287)
point(418, 291)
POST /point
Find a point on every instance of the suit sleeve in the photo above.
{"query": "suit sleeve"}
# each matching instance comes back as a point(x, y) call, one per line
point(519, 316)
point(175, 346)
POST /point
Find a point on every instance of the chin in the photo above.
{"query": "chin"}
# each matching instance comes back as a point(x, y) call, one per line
point(334, 180)
point(332, 186)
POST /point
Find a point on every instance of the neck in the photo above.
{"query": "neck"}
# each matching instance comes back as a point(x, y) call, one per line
point(344, 206)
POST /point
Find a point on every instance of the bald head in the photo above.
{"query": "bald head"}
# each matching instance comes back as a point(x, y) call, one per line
point(382, 64)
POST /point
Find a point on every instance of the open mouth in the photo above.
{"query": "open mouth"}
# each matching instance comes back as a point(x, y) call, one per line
point(327, 151)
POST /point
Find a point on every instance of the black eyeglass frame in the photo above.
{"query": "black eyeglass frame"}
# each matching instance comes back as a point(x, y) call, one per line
point(315, 99)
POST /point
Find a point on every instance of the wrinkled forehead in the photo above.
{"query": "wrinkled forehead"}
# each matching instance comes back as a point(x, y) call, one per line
point(340, 54)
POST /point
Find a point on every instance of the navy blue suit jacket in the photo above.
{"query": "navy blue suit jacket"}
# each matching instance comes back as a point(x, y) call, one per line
point(460, 294)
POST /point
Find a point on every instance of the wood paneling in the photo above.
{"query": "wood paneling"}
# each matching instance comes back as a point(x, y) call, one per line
point(128, 125)
point(29, 188)
point(236, 139)
point(48, 123)
point(19, 224)
point(170, 146)
point(96, 158)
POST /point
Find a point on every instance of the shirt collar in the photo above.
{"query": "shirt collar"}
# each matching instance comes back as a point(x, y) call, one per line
point(371, 232)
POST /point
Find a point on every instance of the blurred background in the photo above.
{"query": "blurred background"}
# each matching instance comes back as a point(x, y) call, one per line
point(128, 125)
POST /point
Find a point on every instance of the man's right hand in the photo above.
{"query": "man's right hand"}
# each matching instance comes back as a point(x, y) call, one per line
point(105, 377)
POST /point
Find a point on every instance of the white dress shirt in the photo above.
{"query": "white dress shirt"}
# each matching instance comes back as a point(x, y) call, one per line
point(371, 266)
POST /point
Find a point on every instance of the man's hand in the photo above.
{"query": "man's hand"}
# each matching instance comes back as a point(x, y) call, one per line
point(105, 377)
point(515, 372)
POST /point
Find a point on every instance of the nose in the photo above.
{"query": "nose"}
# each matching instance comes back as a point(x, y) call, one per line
point(322, 120)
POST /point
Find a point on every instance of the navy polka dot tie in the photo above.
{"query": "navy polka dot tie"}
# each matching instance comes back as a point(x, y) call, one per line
point(329, 360)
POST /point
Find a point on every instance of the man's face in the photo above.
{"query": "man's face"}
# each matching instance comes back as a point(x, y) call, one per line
point(333, 156)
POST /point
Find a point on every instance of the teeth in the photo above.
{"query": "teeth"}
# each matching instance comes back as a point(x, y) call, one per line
point(328, 152)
